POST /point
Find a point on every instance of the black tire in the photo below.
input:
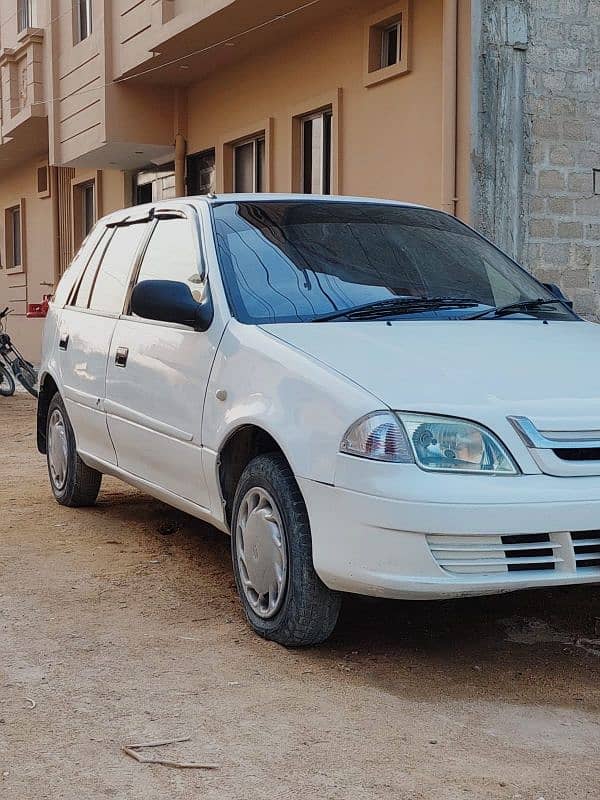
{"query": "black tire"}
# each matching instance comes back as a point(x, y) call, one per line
point(82, 483)
point(27, 376)
point(7, 383)
point(309, 610)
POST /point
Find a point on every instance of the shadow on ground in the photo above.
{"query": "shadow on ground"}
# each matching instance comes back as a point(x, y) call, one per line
point(535, 644)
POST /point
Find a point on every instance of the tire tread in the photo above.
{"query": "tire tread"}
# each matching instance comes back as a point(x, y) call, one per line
point(311, 609)
point(83, 482)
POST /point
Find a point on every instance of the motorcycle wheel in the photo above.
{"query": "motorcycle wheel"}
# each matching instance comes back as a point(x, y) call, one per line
point(27, 377)
point(7, 383)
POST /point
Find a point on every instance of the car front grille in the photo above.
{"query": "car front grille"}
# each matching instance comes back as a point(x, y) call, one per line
point(587, 548)
point(578, 454)
point(562, 454)
point(534, 551)
point(488, 554)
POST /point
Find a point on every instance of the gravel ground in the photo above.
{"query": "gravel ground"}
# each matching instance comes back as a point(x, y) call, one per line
point(121, 623)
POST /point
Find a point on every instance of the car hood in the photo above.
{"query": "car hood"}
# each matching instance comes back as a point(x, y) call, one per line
point(478, 369)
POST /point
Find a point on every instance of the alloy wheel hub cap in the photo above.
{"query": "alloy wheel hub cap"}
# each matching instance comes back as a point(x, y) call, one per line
point(261, 553)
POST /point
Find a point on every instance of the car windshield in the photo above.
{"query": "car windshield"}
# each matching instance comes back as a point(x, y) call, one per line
point(299, 260)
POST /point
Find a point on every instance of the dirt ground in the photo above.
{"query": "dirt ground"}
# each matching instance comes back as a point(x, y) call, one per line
point(121, 624)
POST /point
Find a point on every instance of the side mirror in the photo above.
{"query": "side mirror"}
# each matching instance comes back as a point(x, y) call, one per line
point(557, 292)
point(171, 301)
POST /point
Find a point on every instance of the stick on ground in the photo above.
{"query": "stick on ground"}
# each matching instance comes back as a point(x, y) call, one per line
point(131, 750)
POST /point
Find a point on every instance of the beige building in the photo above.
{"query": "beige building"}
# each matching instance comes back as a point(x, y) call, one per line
point(106, 103)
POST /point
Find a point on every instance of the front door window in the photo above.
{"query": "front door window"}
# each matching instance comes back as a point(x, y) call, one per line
point(171, 255)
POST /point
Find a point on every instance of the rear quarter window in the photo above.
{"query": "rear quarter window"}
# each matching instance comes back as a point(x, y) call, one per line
point(73, 272)
point(81, 296)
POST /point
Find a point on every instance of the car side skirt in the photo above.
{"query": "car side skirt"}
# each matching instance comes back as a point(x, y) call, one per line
point(165, 496)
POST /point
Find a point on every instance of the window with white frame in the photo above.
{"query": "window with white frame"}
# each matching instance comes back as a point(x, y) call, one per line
point(14, 240)
point(387, 43)
point(82, 11)
point(249, 165)
point(25, 14)
point(88, 208)
point(84, 210)
point(391, 44)
point(316, 149)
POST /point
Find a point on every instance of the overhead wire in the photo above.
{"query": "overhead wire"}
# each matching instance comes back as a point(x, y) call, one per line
point(50, 22)
point(200, 51)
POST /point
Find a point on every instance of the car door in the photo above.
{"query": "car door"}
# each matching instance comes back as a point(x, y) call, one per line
point(84, 340)
point(86, 330)
point(158, 372)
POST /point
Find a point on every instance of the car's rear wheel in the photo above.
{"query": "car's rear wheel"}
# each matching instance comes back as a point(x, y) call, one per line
point(283, 598)
point(73, 483)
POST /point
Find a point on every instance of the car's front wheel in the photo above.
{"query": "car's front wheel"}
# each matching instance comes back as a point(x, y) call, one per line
point(73, 483)
point(284, 599)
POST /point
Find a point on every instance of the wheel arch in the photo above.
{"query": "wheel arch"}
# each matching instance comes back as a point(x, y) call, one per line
point(48, 388)
point(246, 442)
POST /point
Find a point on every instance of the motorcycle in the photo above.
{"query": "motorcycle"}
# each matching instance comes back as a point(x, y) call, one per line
point(14, 364)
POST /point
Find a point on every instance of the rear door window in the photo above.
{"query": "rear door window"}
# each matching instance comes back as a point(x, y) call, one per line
point(112, 281)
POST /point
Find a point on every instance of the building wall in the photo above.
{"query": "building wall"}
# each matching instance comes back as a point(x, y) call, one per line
point(389, 134)
point(562, 213)
point(78, 75)
point(140, 25)
point(16, 290)
point(39, 233)
point(537, 139)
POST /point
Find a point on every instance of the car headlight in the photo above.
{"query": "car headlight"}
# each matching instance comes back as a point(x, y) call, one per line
point(436, 444)
point(445, 444)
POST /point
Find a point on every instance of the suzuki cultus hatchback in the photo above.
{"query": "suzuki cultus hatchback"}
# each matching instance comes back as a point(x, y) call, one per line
point(368, 396)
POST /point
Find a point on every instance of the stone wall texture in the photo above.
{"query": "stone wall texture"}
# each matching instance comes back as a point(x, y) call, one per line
point(561, 210)
point(541, 99)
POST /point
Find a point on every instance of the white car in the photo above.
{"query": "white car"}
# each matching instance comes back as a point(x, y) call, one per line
point(368, 396)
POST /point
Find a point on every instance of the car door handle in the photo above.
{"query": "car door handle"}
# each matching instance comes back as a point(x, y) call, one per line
point(121, 356)
point(63, 342)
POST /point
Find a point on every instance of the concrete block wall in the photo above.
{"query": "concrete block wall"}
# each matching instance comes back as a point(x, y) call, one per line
point(537, 139)
point(561, 213)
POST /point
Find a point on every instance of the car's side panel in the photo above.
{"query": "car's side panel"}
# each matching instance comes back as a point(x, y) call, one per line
point(49, 356)
point(162, 494)
point(155, 400)
point(154, 403)
point(86, 341)
point(305, 406)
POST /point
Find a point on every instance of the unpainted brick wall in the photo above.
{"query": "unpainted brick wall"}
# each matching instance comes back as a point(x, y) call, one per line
point(561, 212)
point(553, 228)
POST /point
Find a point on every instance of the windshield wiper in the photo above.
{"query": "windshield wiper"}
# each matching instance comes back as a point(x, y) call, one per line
point(512, 308)
point(397, 305)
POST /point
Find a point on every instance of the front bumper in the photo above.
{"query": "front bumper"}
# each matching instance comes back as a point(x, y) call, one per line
point(533, 531)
